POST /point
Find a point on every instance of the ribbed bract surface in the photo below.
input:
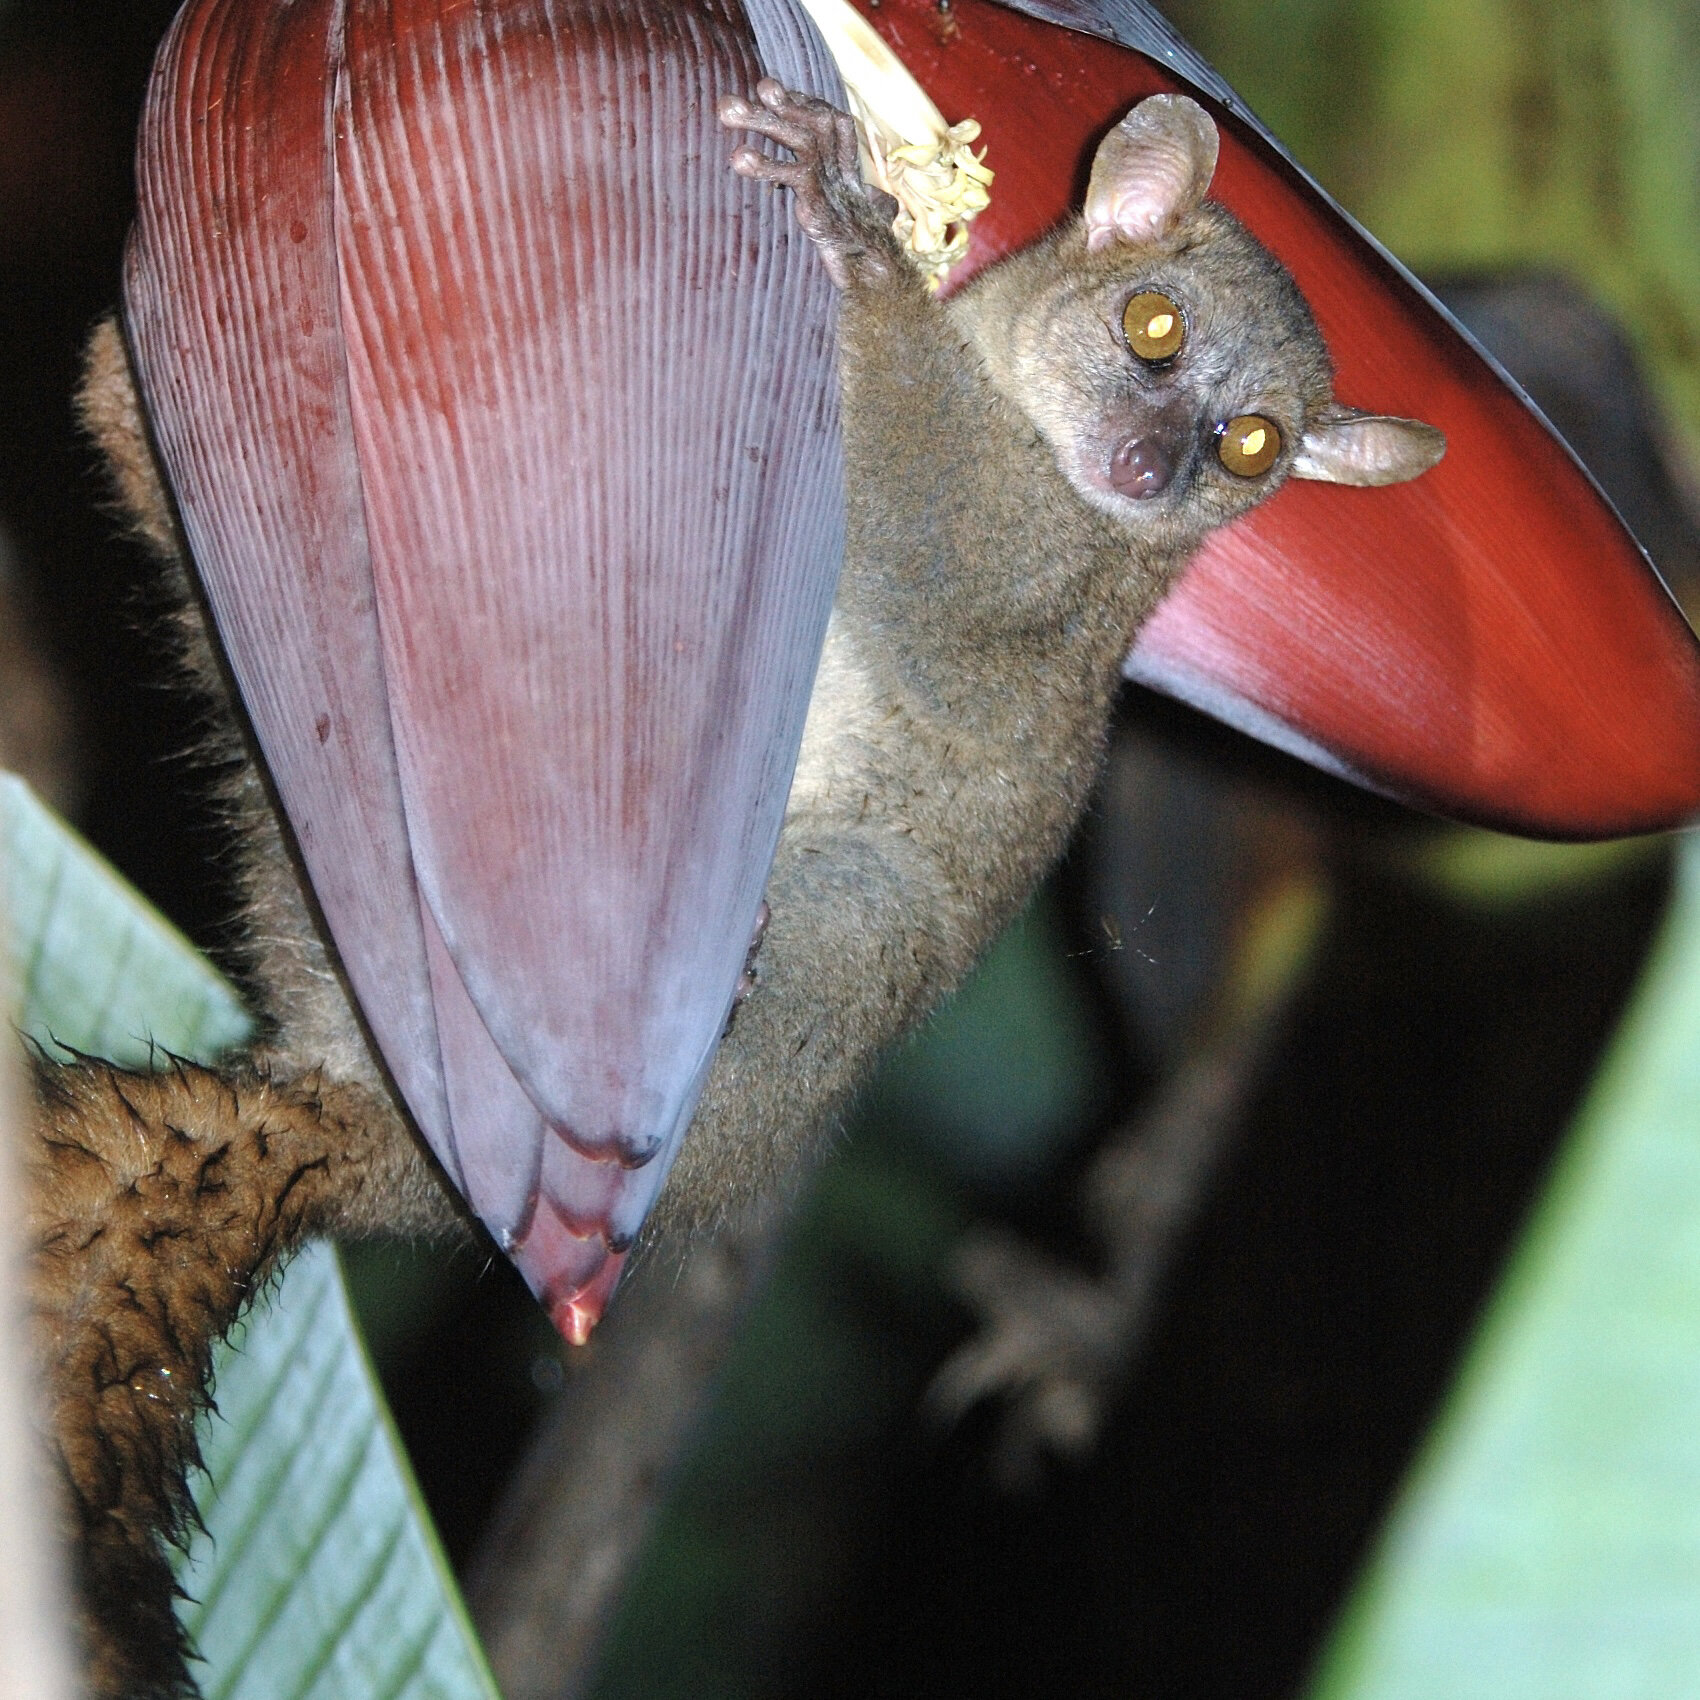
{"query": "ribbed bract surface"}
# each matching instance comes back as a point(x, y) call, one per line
point(502, 417)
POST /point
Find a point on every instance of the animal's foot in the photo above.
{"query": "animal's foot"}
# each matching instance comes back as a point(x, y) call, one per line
point(846, 220)
point(1048, 1349)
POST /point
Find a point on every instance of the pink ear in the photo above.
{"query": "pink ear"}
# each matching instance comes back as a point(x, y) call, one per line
point(1150, 171)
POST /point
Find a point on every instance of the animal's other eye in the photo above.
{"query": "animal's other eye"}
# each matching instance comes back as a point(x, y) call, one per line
point(1248, 444)
point(1153, 326)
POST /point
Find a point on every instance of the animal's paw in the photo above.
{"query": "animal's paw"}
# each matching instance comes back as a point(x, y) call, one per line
point(847, 221)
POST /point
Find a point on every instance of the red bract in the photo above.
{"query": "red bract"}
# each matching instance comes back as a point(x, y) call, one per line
point(1487, 641)
point(502, 418)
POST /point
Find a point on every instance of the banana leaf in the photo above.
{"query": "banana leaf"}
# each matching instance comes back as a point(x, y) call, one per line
point(1548, 1543)
point(316, 1571)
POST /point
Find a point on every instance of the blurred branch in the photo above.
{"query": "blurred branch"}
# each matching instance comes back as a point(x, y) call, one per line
point(552, 1565)
point(1054, 1342)
point(35, 716)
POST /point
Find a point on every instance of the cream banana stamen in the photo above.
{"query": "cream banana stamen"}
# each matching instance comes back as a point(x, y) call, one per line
point(929, 167)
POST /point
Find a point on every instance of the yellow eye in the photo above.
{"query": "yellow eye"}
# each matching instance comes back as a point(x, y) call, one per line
point(1153, 326)
point(1248, 444)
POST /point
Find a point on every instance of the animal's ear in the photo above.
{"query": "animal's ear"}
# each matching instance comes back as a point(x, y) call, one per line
point(1345, 446)
point(1150, 171)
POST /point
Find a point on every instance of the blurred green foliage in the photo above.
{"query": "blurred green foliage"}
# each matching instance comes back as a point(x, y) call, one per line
point(756, 1541)
point(1548, 1545)
point(1474, 134)
point(1007, 1074)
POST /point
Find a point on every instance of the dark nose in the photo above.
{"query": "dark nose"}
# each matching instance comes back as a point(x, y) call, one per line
point(1141, 468)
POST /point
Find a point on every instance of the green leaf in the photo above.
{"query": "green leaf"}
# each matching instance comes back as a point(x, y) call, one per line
point(317, 1572)
point(1481, 134)
point(1003, 1075)
point(96, 968)
point(1548, 1543)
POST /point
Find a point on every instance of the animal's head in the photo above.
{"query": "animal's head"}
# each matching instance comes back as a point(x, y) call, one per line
point(1169, 358)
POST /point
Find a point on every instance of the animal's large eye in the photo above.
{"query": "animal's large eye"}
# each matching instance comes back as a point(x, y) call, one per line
point(1248, 444)
point(1153, 326)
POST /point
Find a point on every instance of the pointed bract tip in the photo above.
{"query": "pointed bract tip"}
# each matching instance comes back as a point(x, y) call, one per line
point(572, 1268)
point(577, 1313)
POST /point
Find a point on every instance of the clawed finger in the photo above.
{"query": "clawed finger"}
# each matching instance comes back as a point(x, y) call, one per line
point(734, 111)
point(849, 148)
point(814, 118)
point(799, 138)
point(787, 103)
point(752, 162)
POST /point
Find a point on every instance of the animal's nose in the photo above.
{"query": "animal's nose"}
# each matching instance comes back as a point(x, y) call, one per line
point(1142, 467)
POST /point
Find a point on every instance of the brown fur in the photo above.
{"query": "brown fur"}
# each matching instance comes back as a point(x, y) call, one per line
point(986, 604)
point(159, 1205)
